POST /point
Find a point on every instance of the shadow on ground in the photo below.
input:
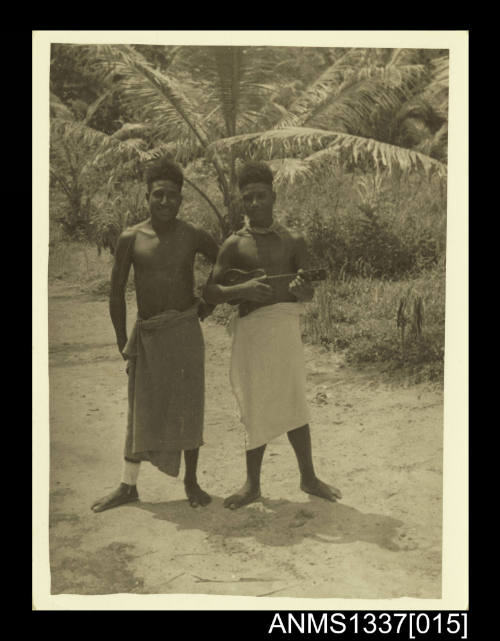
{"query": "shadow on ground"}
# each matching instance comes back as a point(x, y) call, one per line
point(282, 522)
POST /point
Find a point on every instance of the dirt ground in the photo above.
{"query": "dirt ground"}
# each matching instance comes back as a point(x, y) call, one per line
point(381, 444)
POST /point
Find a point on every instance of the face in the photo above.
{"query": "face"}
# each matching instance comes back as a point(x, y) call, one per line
point(164, 200)
point(258, 202)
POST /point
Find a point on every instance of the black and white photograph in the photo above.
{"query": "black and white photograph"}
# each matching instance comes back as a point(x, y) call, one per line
point(249, 321)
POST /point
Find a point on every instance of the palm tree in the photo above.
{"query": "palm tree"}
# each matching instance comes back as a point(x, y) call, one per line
point(375, 109)
point(340, 119)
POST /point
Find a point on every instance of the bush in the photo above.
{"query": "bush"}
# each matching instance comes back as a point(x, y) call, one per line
point(363, 318)
point(390, 229)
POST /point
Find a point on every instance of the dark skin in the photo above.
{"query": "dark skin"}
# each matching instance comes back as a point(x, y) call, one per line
point(276, 255)
point(162, 250)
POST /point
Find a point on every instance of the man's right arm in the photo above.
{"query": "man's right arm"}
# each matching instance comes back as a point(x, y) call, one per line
point(119, 277)
point(214, 292)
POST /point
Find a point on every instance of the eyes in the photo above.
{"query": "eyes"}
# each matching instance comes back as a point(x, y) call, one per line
point(259, 197)
point(160, 194)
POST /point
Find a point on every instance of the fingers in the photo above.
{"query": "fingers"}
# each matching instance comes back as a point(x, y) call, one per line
point(297, 283)
point(259, 291)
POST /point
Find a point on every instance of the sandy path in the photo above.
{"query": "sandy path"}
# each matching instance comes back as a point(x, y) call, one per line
point(381, 445)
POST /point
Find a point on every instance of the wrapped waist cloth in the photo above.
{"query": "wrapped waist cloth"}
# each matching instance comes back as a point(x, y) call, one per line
point(166, 388)
point(268, 372)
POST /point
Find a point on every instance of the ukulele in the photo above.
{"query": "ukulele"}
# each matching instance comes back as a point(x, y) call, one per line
point(238, 276)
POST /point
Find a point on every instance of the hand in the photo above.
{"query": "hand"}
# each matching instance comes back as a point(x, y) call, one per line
point(300, 288)
point(257, 290)
point(204, 310)
point(121, 347)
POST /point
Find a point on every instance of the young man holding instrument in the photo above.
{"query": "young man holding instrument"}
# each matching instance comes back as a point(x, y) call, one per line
point(165, 350)
point(267, 361)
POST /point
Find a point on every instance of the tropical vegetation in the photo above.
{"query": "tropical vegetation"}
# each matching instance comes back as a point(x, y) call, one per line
point(357, 139)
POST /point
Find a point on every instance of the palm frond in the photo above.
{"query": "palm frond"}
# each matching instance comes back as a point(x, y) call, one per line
point(94, 107)
point(100, 148)
point(290, 142)
point(290, 170)
point(436, 145)
point(318, 147)
point(436, 93)
point(58, 109)
point(157, 97)
point(365, 95)
point(132, 130)
point(441, 70)
point(168, 149)
point(320, 90)
point(337, 89)
point(177, 150)
point(347, 149)
point(240, 90)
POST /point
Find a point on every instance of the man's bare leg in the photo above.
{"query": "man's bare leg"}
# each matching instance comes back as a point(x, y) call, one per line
point(196, 496)
point(251, 490)
point(126, 492)
point(300, 439)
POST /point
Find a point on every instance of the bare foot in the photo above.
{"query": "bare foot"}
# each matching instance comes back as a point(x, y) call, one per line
point(318, 488)
point(246, 495)
point(124, 494)
point(196, 496)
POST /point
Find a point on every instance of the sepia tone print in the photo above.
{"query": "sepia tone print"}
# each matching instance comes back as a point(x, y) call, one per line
point(345, 502)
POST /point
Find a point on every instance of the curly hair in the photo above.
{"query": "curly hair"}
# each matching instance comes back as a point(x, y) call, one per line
point(254, 172)
point(164, 169)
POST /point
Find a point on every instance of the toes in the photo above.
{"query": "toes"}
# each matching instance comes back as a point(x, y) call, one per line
point(336, 493)
point(198, 497)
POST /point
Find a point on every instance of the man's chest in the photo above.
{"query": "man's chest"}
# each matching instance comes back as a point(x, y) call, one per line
point(265, 251)
point(156, 253)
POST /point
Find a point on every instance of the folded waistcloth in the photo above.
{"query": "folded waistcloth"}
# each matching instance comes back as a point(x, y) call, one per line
point(267, 372)
point(166, 388)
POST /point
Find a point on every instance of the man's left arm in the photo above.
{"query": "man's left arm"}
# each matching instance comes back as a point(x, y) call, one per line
point(207, 246)
point(299, 287)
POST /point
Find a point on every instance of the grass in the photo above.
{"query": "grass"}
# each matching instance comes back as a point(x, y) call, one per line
point(359, 317)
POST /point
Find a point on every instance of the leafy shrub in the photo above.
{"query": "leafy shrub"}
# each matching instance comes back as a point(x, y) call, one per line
point(394, 228)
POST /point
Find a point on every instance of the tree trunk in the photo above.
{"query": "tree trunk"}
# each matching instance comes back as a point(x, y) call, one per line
point(234, 208)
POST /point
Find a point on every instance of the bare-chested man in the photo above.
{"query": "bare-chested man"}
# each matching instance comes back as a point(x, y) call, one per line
point(165, 351)
point(267, 366)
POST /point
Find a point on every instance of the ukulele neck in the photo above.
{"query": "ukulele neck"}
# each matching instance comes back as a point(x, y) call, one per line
point(312, 274)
